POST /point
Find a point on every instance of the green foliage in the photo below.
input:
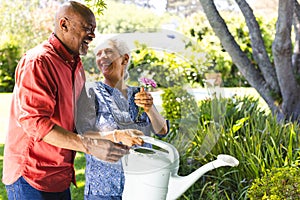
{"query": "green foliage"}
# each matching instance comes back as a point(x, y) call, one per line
point(23, 27)
point(24, 23)
point(97, 6)
point(167, 69)
point(26, 29)
point(177, 105)
point(29, 28)
point(9, 56)
point(180, 108)
point(91, 69)
point(3, 194)
point(267, 151)
point(238, 127)
point(121, 18)
point(218, 60)
point(277, 184)
point(78, 192)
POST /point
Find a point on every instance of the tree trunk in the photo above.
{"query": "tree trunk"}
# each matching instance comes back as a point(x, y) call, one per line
point(276, 84)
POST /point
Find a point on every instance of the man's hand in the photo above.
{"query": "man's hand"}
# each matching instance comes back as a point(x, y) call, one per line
point(105, 149)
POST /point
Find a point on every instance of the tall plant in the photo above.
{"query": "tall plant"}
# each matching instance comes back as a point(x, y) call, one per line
point(246, 132)
point(181, 109)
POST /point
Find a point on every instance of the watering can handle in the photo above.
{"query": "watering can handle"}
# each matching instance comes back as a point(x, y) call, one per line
point(172, 151)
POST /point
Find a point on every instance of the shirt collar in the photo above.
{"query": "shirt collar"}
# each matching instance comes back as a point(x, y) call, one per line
point(62, 51)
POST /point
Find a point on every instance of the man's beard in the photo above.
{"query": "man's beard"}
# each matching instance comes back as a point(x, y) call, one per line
point(82, 50)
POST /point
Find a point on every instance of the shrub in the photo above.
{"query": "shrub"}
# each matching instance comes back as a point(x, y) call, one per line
point(180, 108)
point(277, 184)
point(9, 56)
point(167, 69)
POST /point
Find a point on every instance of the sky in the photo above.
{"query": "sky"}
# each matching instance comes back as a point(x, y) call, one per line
point(158, 6)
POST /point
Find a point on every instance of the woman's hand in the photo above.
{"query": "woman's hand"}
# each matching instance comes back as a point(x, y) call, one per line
point(128, 137)
point(144, 99)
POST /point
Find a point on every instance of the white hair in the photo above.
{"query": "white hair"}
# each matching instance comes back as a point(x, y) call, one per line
point(121, 47)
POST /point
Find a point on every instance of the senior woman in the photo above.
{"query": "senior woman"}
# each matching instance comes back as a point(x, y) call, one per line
point(116, 107)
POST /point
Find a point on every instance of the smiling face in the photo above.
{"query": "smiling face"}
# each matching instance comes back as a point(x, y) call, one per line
point(75, 25)
point(111, 63)
point(80, 34)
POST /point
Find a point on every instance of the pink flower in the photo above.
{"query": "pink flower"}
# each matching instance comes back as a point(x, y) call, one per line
point(147, 82)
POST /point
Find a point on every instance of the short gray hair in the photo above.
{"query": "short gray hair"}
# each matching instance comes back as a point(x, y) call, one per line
point(121, 46)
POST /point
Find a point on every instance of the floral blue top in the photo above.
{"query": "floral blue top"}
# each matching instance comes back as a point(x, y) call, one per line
point(113, 111)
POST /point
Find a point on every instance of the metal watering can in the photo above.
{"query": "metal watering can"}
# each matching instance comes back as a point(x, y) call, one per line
point(151, 173)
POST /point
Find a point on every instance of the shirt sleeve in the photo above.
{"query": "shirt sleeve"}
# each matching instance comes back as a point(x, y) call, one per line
point(36, 97)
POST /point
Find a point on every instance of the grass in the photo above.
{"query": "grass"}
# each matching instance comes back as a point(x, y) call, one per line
point(77, 193)
point(2, 187)
point(4, 111)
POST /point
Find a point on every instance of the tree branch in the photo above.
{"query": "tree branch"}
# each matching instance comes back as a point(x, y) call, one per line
point(297, 9)
point(258, 47)
point(282, 51)
point(296, 54)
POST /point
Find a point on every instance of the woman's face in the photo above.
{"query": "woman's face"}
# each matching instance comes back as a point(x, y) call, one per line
point(110, 63)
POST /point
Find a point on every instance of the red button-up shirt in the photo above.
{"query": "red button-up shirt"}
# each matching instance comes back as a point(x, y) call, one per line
point(48, 82)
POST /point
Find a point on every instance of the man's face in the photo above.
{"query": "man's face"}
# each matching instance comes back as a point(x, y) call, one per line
point(81, 33)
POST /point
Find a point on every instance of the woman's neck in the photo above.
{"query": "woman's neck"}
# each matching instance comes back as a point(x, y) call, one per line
point(120, 85)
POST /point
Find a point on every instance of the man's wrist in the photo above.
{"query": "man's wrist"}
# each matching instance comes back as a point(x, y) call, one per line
point(85, 143)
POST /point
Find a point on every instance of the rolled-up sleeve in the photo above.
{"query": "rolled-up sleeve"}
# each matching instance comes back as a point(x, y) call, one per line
point(36, 98)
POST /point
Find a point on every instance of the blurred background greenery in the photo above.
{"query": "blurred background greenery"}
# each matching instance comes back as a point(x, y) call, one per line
point(25, 29)
point(201, 129)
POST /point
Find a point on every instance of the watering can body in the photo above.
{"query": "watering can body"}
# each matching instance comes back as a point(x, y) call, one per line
point(151, 173)
point(147, 171)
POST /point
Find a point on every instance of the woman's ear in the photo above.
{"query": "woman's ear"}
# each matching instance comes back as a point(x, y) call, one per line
point(125, 59)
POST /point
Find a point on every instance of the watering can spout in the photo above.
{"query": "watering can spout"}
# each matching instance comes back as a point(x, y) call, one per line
point(179, 184)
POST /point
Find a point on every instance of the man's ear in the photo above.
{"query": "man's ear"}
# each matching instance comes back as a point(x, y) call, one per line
point(64, 24)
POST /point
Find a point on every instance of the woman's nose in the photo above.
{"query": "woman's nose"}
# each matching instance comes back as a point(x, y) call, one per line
point(102, 55)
